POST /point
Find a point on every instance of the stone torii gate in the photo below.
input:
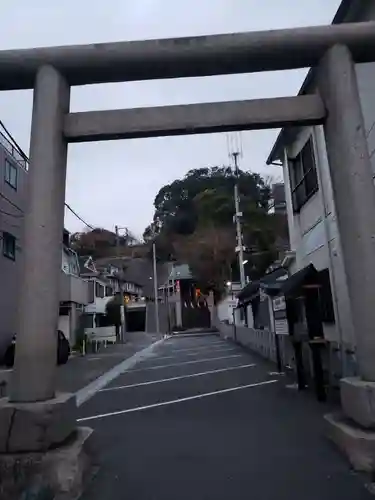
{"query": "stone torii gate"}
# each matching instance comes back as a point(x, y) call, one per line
point(52, 71)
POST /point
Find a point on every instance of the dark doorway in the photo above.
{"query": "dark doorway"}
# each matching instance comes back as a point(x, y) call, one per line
point(307, 306)
point(195, 312)
point(136, 320)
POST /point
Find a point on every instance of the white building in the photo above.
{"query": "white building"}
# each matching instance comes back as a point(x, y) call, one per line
point(74, 292)
point(227, 307)
point(314, 236)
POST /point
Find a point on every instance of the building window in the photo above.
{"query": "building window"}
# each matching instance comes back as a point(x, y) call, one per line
point(10, 174)
point(91, 292)
point(99, 290)
point(9, 246)
point(304, 179)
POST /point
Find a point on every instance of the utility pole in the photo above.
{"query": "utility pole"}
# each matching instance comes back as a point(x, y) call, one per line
point(237, 218)
point(117, 241)
point(156, 289)
point(126, 235)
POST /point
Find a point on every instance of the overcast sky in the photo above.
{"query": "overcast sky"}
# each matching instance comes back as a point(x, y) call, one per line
point(116, 182)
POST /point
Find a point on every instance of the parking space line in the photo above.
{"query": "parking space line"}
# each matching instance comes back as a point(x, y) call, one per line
point(194, 335)
point(87, 392)
point(160, 381)
point(201, 348)
point(169, 343)
point(159, 367)
point(219, 351)
point(175, 401)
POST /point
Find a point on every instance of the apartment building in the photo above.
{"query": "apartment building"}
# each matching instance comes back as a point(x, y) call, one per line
point(13, 180)
point(315, 257)
point(73, 289)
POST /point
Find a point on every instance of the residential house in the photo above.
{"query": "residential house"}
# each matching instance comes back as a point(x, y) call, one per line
point(318, 287)
point(74, 291)
point(106, 277)
point(114, 269)
point(101, 290)
point(13, 180)
point(278, 200)
point(227, 311)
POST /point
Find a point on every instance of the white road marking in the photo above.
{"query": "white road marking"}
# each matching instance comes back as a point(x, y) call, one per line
point(219, 351)
point(140, 384)
point(222, 345)
point(88, 392)
point(159, 367)
point(201, 344)
point(175, 401)
point(188, 335)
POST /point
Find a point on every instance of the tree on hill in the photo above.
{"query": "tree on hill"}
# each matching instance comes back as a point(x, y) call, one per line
point(193, 222)
point(100, 242)
point(175, 204)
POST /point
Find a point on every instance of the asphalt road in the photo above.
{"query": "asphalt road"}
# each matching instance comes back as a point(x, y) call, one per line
point(202, 419)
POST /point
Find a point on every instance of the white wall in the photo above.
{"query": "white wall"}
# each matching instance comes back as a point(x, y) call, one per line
point(315, 234)
point(98, 305)
point(225, 308)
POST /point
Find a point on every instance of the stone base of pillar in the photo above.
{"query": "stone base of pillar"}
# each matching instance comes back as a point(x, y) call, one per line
point(36, 427)
point(356, 443)
point(59, 473)
point(358, 401)
point(353, 430)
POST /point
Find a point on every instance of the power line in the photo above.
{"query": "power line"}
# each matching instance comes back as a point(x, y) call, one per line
point(78, 217)
point(11, 202)
point(12, 139)
point(23, 154)
point(11, 215)
point(20, 209)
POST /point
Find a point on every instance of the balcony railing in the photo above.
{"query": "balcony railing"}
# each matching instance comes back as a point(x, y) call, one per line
point(73, 289)
point(14, 152)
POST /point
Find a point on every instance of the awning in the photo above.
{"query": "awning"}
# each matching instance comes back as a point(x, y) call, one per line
point(294, 284)
point(248, 292)
point(270, 283)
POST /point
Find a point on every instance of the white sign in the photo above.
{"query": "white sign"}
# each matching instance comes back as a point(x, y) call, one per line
point(281, 327)
point(279, 303)
point(279, 314)
point(232, 303)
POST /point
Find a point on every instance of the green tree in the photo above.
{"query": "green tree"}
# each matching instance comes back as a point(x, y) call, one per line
point(175, 204)
point(99, 242)
point(193, 222)
point(209, 251)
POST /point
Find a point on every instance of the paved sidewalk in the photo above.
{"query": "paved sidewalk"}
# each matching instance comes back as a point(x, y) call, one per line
point(81, 370)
